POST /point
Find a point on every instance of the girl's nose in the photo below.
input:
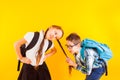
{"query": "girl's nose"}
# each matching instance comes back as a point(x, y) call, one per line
point(55, 36)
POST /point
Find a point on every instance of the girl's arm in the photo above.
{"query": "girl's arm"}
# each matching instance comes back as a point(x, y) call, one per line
point(50, 53)
point(17, 46)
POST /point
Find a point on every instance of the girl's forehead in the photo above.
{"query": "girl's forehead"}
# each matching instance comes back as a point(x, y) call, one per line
point(53, 29)
point(56, 29)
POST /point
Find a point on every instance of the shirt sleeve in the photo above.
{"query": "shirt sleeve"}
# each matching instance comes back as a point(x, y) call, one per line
point(89, 59)
point(81, 68)
point(28, 36)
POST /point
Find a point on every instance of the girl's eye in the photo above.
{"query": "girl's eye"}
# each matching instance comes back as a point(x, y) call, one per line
point(55, 33)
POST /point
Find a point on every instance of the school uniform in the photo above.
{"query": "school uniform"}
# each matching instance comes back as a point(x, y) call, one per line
point(28, 71)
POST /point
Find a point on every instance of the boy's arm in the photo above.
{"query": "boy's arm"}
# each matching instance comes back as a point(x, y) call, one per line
point(71, 63)
point(89, 59)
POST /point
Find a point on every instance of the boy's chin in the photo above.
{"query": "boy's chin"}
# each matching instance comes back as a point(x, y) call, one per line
point(73, 53)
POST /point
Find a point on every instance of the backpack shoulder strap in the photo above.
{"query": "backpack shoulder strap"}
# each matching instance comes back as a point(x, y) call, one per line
point(34, 41)
point(31, 45)
point(49, 44)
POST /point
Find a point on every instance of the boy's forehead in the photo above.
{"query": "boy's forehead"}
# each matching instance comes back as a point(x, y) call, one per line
point(69, 42)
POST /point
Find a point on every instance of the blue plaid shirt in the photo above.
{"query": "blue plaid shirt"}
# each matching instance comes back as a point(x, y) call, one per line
point(89, 62)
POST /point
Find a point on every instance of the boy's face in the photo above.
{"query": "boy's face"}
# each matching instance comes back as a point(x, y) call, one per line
point(72, 48)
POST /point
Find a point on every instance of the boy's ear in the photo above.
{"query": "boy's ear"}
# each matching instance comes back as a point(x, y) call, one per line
point(79, 45)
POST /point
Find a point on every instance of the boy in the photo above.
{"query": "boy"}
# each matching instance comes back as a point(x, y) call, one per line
point(90, 65)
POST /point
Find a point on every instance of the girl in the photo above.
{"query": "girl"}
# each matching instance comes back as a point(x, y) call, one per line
point(34, 67)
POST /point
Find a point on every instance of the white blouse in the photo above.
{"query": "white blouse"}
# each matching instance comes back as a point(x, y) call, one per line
point(32, 53)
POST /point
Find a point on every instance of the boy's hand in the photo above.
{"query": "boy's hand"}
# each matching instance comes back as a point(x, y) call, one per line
point(71, 63)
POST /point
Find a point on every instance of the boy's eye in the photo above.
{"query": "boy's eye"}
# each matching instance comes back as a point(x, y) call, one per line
point(55, 33)
point(69, 46)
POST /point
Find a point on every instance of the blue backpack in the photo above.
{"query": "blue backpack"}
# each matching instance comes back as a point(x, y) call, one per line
point(103, 50)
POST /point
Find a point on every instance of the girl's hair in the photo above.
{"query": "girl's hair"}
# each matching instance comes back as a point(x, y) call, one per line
point(42, 43)
point(38, 57)
point(73, 37)
point(58, 27)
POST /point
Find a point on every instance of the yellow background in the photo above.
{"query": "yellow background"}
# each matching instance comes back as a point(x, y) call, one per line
point(95, 19)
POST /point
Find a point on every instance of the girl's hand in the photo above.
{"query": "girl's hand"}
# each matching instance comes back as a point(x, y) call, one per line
point(44, 58)
point(25, 60)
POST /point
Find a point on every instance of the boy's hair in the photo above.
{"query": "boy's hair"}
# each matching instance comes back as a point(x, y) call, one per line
point(73, 37)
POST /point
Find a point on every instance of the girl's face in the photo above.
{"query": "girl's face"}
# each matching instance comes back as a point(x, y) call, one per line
point(72, 48)
point(54, 33)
